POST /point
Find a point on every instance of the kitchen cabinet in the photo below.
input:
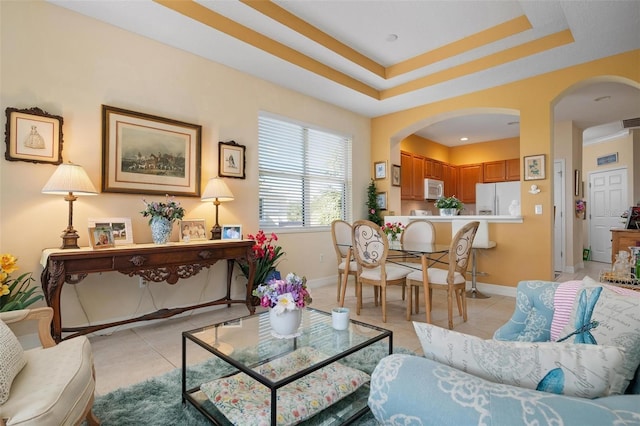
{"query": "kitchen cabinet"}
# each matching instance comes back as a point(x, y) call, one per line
point(622, 239)
point(469, 175)
point(411, 176)
point(494, 171)
point(450, 178)
point(436, 170)
point(513, 169)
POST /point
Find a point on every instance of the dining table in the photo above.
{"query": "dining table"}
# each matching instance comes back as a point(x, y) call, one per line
point(429, 254)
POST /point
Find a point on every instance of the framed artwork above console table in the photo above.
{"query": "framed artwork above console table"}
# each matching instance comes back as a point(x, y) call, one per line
point(152, 262)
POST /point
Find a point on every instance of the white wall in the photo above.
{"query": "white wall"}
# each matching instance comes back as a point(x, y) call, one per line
point(70, 65)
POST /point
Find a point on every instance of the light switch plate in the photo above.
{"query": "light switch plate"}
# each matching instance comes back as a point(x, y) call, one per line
point(538, 208)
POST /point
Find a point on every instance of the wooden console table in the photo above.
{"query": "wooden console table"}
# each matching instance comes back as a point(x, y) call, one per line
point(152, 262)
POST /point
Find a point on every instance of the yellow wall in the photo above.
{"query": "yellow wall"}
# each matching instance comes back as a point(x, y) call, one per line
point(524, 251)
point(69, 65)
point(422, 146)
point(497, 150)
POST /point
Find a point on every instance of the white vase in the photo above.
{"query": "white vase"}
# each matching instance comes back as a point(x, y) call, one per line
point(285, 324)
point(160, 229)
point(448, 212)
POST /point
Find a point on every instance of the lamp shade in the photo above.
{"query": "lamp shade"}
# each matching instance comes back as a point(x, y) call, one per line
point(216, 189)
point(69, 177)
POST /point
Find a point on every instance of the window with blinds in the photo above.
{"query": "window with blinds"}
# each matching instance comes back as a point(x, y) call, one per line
point(305, 175)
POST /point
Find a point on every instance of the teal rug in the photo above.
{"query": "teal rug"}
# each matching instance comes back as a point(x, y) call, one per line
point(158, 401)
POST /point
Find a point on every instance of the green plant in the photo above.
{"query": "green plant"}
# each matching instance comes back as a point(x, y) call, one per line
point(15, 294)
point(449, 203)
point(267, 255)
point(373, 211)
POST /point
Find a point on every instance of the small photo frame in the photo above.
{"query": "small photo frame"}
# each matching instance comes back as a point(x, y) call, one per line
point(231, 159)
point(121, 226)
point(231, 232)
point(33, 135)
point(193, 230)
point(534, 167)
point(101, 237)
point(395, 175)
point(381, 200)
point(380, 170)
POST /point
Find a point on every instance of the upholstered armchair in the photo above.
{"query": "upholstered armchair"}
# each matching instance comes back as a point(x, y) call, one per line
point(49, 385)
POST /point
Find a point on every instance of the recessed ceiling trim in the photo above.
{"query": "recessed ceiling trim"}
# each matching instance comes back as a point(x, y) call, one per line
point(488, 36)
point(499, 58)
point(221, 23)
point(286, 18)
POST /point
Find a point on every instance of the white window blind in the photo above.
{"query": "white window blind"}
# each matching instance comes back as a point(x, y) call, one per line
point(305, 175)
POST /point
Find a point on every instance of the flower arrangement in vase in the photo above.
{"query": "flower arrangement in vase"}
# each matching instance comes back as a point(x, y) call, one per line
point(449, 206)
point(15, 293)
point(392, 230)
point(161, 217)
point(267, 254)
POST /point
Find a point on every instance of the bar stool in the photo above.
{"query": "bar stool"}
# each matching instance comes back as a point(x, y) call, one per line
point(481, 241)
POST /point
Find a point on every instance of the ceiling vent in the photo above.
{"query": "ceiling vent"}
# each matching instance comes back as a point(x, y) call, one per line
point(632, 123)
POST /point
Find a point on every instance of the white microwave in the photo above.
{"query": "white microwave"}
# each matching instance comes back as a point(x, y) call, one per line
point(433, 189)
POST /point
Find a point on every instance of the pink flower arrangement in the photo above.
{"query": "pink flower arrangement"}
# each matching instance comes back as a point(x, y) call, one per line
point(284, 295)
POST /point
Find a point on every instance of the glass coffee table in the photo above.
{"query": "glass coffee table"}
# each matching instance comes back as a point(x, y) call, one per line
point(239, 368)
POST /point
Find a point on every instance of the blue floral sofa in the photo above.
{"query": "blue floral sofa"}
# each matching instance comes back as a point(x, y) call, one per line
point(414, 390)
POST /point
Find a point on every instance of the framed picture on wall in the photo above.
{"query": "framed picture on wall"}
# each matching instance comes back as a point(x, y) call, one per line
point(231, 159)
point(395, 175)
point(381, 199)
point(33, 135)
point(380, 170)
point(534, 167)
point(146, 154)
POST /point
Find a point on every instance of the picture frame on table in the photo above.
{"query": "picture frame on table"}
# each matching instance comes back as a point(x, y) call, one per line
point(381, 200)
point(231, 232)
point(380, 170)
point(534, 167)
point(193, 230)
point(33, 135)
point(101, 237)
point(395, 175)
point(147, 154)
point(121, 228)
point(231, 160)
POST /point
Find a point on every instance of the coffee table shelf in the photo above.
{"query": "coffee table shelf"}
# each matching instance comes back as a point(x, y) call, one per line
point(242, 345)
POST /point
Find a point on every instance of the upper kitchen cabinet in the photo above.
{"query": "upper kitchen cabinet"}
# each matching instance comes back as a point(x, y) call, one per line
point(433, 169)
point(412, 176)
point(513, 169)
point(450, 178)
point(469, 175)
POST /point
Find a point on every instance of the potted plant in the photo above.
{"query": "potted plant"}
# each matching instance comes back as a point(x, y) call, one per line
point(449, 206)
point(15, 294)
point(162, 215)
point(267, 254)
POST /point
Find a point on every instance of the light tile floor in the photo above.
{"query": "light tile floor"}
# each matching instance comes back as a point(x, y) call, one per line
point(125, 357)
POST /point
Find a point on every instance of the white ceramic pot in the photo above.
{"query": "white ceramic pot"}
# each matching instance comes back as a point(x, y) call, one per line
point(286, 323)
point(448, 212)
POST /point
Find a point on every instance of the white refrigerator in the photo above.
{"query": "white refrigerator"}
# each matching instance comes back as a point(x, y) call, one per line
point(495, 198)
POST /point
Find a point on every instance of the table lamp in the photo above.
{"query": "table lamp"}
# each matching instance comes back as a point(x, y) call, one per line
point(216, 191)
point(69, 180)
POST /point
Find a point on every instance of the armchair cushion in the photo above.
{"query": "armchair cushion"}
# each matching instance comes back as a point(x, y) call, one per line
point(12, 360)
point(586, 371)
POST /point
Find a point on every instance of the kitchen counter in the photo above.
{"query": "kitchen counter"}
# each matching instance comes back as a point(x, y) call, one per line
point(488, 218)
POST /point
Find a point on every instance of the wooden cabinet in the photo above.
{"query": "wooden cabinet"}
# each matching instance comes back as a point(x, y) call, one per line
point(436, 169)
point(494, 171)
point(450, 178)
point(469, 175)
point(622, 239)
point(411, 176)
point(513, 169)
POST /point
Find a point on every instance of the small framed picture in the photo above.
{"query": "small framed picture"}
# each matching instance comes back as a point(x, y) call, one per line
point(101, 237)
point(534, 167)
point(380, 169)
point(121, 226)
point(33, 135)
point(395, 175)
point(193, 230)
point(231, 232)
point(231, 159)
point(381, 199)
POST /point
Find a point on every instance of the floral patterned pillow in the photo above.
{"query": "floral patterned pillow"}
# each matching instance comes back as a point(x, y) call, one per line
point(243, 400)
point(586, 371)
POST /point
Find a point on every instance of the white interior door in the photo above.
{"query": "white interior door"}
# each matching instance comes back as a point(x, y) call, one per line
point(558, 221)
point(607, 201)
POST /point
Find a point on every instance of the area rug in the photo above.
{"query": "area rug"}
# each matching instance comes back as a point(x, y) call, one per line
point(158, 401)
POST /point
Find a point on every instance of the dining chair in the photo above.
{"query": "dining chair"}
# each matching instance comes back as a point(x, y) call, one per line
point(417, 231)
point(371, 248)
point(341, 234)
point(480, 242)
point(451, 280)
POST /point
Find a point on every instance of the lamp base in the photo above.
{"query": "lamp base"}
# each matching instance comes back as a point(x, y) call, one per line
point(70, 239)
point(216, 232)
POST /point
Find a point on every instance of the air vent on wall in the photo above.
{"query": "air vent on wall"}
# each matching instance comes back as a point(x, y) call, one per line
point(631, 123)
